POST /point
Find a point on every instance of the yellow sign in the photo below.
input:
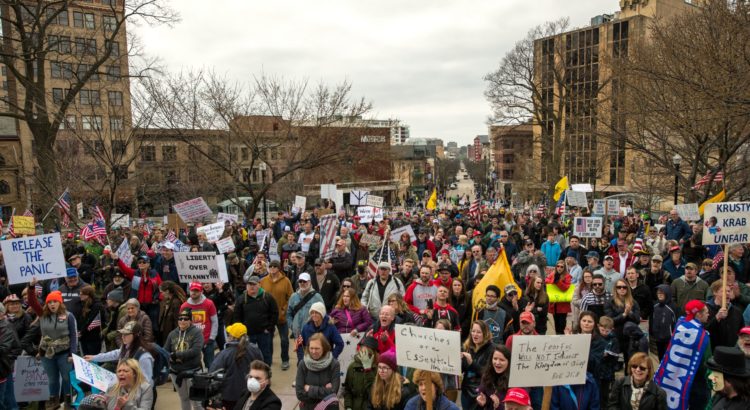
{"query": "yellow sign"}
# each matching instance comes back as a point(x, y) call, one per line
point(24, 225)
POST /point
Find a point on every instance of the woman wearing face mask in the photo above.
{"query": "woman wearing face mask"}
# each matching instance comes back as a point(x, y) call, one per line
point(132, 391)
point(257, 392)
point(360, 375)
point(235, 359)
point(637, 391)
point(318, 373)
point(495, 379)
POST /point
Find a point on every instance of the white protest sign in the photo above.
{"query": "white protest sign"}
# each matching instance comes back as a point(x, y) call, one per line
point(600, 207)
point(375, 201)
point(223, 217)
point(339, 201)
point(30, 382)
point(193, 210)
point(429, 349)
point(300, 202)
point(203, 267)
point(328, 191)
point(79, 209)
point(165, 220)
point(39, 256)
point(123, 252)
point(613, 206)
point(549, 360)
point(725, 223)
point(688, 212)
point(273, 250)
point(365, 214)
point(358, 198)
point(396, 233)
point(576, 198)
point(350, 350)
point(369, 239)
point(213, 231)
point(588, 227)
point(225, 245)
point(119, 221)
point(260, 238)
point(92, 374)
point(377, 214)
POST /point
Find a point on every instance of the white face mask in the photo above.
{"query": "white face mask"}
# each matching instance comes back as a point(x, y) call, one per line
point(253, 386)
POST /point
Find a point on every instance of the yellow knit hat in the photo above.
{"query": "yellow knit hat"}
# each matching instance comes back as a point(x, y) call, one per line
point(236, 330)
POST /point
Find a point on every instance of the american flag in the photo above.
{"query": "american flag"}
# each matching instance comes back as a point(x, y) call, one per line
point(171, 237)
point(96, 211)
point(1, 226)
point(706, 178)
point(97, 322)
point(638, 245)
point(718, 259)
point(541, 209)
point(28, 212)
point(11, 231)
point(474, 208)
point(64, 202)
point(328, 230)
point(144, 246)
point(560, 207)
point(372, 268)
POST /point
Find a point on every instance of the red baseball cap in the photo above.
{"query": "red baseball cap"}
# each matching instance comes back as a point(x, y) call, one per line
point(196, 286)
point(527, 317)
point(518, 396)
point(445, 252)
point(745, 331)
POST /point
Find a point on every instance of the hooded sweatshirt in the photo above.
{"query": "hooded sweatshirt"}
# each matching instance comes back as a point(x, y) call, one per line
point(205, 317)
point(664, 316)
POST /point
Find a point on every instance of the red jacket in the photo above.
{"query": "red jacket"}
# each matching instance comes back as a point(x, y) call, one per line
point(629, 260)
point(148, 288)
point(386, 337)
point(563, 283)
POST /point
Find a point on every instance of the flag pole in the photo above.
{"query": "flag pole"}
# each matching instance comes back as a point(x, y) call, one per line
point(55, 205)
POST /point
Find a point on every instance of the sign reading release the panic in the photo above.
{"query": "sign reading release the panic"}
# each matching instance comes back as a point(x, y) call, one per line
point(726, 223)
point(203, 267)
point(38, 256)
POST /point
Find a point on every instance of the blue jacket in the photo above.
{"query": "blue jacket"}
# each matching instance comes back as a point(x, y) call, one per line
point(328, 330)
point(578, 397)
point(416, 403)
point(551, 251)
point(674, 271)
point(678, 230)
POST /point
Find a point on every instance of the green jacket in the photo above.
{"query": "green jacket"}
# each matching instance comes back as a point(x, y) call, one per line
point(358, 384)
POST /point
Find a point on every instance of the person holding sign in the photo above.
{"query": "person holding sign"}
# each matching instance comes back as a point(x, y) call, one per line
point(132, 391)
point(477, 351)
point(430, 393)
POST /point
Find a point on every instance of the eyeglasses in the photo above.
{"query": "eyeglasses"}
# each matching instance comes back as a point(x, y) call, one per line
point(641, 368)
point(621, 287)
point(383, 368)
point(597, 284)
point(183, 319)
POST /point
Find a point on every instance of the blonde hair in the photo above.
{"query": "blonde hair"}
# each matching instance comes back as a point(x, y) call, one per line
point(622, 301)
point(487, 336)
point(639, 358)
point(606, 322)
point(386, 393)
point(118, 389)
point(354, 303)
point(402, 306)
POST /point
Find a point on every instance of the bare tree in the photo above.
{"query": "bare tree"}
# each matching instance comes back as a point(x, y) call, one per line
point(273, 130)
point(686, 92)
point(37, 40)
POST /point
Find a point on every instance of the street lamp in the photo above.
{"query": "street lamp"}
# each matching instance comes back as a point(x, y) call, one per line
point(676, 161)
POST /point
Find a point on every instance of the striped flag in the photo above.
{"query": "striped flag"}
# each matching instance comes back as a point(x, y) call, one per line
point(541, 209)
point(64, 203)
point(28, 212)
point(171, 237)
point(638, 245)
point(474, 208)
point(718, 259)
point(560, 207)
point(328, 230)
point(97, 322)
point(144, 246)
point(11, 231)
point(372, 268)
point(1, 225)
point(706, 178)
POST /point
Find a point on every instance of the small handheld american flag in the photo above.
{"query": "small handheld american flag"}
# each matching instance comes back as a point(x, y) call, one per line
point(97, 322)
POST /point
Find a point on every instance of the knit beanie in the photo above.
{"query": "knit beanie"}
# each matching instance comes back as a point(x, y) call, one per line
point(55, 295)
point(318, 307)
point(388, 358)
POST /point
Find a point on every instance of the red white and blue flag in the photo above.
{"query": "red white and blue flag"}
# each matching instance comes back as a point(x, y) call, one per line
point(11, 231)
point(707, 178)
point(560, 207)
point(97, 322)
point(328, 230)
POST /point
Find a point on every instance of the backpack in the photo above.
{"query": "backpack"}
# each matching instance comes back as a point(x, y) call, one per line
point(160, 372)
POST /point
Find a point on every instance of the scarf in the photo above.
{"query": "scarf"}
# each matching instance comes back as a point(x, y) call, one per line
point(635, 397)
point(318, 365)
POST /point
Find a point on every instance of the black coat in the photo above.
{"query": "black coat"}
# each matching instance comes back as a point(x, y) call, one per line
point(654, 398)
point(724, 332)
point(259, 314)
point(10, 348)
point(267, 400)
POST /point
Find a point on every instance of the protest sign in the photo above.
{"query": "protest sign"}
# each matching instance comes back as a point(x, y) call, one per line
point(328, 191)
point(369, 239)
point(375, 201)
point(549, 360)
point(726, 223)
point(365, 214)
point(273, 250)
point(260, 238)
point(23, 225)
point(222, 217)
point(600, 207)
point(339, 201)
point(92, 374)
point(203, 267)
point(377, 214)
point(119, 221)
point(588, 227)
point(576, 198)
point(213, 231)
point(225, 245)
point(358, 198)
point(346, 357)
point(429, 349)
point(193, 210)
point(79, 210)
point(688, 212)
point(613, 206)
point(300, 202)
point(30, 382)
point(123, 252)
point(396, 233)
point(38, 256)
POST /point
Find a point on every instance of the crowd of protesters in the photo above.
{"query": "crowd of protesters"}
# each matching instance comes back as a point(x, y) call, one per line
point(627, 289)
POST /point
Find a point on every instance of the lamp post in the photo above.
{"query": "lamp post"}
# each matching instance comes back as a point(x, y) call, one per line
point(676, 161)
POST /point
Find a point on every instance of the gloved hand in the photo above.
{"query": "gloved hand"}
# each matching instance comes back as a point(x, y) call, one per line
point(366, 358)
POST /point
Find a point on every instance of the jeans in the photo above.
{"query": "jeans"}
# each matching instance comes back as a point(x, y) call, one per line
point(209, 351)
point(7, 395)
point(58, 367)
point(265, 344)
point(284, 335)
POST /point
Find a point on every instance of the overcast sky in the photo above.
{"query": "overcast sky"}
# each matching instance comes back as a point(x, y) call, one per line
point(421, 61)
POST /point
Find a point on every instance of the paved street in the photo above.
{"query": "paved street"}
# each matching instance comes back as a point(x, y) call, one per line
point(465, 186)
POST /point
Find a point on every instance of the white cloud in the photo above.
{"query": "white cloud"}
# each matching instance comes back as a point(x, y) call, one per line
point(420, 61)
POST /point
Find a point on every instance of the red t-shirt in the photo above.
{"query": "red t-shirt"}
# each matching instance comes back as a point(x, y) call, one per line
point(202, 313)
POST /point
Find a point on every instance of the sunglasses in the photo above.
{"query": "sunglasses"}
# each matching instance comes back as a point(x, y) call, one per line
point(621, 287)
point(642, 368)
point(597, 284)
point(183, 319)
point(301, 281)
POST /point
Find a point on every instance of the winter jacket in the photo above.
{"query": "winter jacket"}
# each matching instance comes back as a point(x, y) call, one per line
point(281, 290)
point(360, 319)
point(10, 348)
point(168, 310)
point(329, 290)
point(678, 230)
point(303, 313)
point(675, 270)
point(235, 371)
point(266, 400)
point(617, 313)
point(442, 403)
point(20, 323)
point(722, 402)
point(386, 336)
point(642, 295)
point(259, 314)
point(97, 311)
point(563, 283)
point(328, 330)
point(523, 261)
point(723, 332)
point(663, 318)
point(358, 384)
point(654, 398)
point(418, 295)
point(371, 295)
point(342, 264)
point(147, 289)
point(578, 397)
point(143, 399)
point(186, 346)
point(317, 381)
point(683, 292)
point(552, 252)
point(143, 320)
point(472, 373)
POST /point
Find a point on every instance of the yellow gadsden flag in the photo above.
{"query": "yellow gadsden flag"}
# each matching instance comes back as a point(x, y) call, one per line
point(499, 275)
point(560, 187)
point(432, 202)
point(716, 198)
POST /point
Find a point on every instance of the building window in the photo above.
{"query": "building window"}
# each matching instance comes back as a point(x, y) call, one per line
point(90, 97)
point(115, 123)
point(508, 174)
point(115, 98)
point(113, 73)
point(60, 19)
point(148, 153)
point(61, 70)
point(118, 148)
point(90, 21)
point(169, 153)
point(85, 46)
point(70, 122)
point(109, 23)
point(77, 19)
point(110, 3)
point(57, 95)
point(113, 47)
point(4, 187)
point(85, 68)
point(245, 152)
point(91, 122)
